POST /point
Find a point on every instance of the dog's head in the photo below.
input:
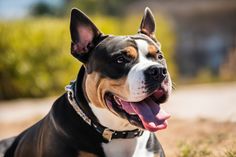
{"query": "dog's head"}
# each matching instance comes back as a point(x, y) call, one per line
point(125, 74)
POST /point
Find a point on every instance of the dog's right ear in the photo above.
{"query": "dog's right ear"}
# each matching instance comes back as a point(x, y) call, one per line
point(147, 26)
point(84, 35)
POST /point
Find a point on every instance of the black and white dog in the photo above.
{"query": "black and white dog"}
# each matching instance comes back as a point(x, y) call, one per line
point(113, 107)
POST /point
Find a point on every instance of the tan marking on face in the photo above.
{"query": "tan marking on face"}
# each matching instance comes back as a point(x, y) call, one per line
point(152, 50)
point(131, 52)
point(86, 154)
point(97, 86)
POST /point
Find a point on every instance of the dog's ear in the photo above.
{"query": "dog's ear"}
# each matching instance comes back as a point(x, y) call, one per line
point(84, 35)
point(148, 24)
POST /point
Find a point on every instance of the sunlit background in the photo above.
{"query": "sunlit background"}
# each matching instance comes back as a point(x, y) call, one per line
point(198, 40)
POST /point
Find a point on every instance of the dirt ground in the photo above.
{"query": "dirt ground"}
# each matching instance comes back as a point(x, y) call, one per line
point(203, 122)
point(199, 138)
point(194, 138)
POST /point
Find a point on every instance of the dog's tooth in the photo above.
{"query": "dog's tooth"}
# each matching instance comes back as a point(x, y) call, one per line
point(117, 100)
point(133, 113)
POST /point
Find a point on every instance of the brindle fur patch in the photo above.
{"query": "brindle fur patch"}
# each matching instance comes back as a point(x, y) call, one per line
point(97, 86)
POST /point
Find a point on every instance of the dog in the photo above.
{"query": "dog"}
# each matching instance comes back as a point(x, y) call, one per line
point(113, 108)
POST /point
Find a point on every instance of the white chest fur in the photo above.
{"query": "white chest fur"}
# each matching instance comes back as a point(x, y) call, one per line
point(135, 147)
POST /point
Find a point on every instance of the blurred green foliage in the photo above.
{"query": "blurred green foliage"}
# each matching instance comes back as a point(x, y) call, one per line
point(42, 9)
point(106, 7)
point(35, 53)
point(35, 58)
point(93, 7)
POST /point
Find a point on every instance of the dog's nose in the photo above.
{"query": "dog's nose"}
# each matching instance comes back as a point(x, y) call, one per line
point(156, 73)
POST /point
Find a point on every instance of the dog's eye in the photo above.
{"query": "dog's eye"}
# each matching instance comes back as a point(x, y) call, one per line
point(122, 60)
point(160, 57)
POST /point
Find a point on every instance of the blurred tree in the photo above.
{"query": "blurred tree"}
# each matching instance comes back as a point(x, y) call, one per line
point(107, 7)
point(42, 8)
point(45, 9)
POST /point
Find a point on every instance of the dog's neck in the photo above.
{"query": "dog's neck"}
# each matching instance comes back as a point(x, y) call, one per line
point(81, 97)
point(102, 115)
point(108, 119)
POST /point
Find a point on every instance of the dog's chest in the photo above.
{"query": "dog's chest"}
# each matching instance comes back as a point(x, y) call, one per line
point(128, 147)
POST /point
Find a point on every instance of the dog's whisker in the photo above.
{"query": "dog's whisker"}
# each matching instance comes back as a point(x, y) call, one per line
point(173, 85)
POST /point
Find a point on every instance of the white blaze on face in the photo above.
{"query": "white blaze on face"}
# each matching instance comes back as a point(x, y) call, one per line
point(136, 78)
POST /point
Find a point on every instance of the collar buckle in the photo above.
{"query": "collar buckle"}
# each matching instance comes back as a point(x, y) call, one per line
point(107, 134)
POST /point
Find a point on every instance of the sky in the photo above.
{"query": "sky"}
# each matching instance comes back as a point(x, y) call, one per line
point(13, 9)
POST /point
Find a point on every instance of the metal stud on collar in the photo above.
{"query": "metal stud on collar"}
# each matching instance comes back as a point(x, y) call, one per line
point(70, 96)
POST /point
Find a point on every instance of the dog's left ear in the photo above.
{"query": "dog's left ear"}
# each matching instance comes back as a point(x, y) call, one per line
point(84, 35)
point(148, 24)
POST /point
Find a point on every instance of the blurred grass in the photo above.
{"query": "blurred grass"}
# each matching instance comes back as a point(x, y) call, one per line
point(35, 53)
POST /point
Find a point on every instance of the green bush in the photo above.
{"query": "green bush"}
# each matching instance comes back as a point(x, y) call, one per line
point(35, 53)
point(35, 58)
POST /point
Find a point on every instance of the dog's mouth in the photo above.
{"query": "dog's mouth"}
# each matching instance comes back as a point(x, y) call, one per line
point(146, 114)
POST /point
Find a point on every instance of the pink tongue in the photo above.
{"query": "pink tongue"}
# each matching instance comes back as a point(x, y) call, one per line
point(151, 115)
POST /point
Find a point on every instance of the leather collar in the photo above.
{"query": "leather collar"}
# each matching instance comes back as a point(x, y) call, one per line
point(107, 134)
